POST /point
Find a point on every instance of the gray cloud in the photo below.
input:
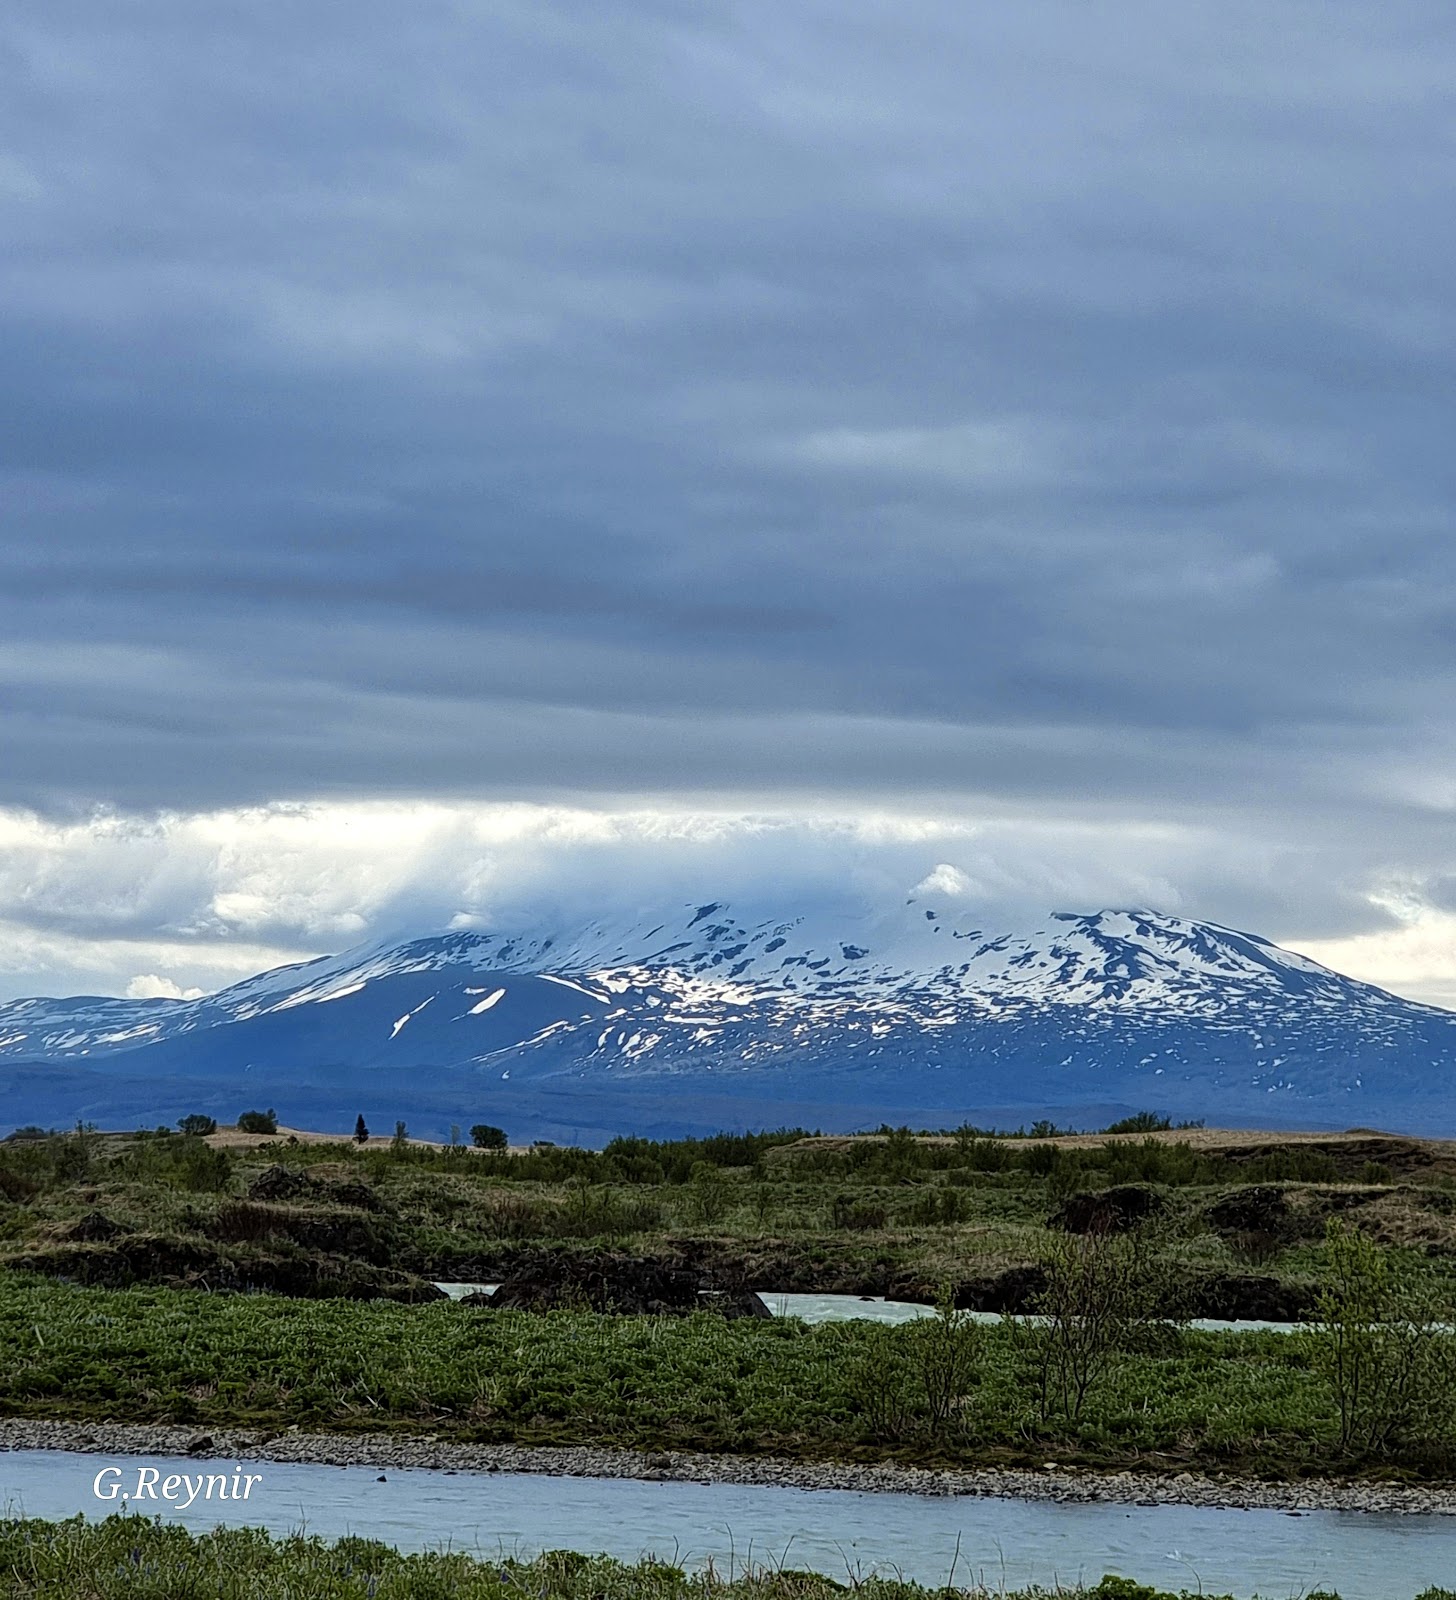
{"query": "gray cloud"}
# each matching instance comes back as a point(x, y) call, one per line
point(1024, 410)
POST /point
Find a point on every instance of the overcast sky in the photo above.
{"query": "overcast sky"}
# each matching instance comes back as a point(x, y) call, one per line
point(463, 449)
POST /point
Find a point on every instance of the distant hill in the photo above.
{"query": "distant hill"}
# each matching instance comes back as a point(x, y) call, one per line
point(704, 1018)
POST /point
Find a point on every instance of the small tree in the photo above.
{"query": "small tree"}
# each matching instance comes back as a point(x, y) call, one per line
point(361, 1130)
point(944, 1351)
point(708, 1194)
point(197, 1124)
point(400, 1142)
point(1380, 1344)
point(916, 1378)
point(1102, 1290)
point(258, 1121)
point(485, 1137)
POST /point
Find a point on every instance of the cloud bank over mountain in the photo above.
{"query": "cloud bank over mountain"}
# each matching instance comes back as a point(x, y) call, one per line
point(166, 905)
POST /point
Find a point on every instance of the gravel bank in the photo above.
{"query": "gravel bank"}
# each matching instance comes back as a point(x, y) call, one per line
point(342, 1450)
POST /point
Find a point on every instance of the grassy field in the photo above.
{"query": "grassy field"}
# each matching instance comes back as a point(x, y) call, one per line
point(1247, 1403)
point(893, 1215)
point(131, 1558)
point(110, 1244)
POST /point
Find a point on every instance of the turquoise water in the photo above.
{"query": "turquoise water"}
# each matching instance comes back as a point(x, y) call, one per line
point(1008, 1543)
point(843, 1307)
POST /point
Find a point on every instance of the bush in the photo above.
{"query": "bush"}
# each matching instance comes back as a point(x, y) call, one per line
point(361, 1130)
point(1041, 1160)
point(197, 1124)
point(486, 1137)
point(592, 1213)
point(846, 1212)
point(1380, 1344)
point(258, 1121)
point(1140, 1122)
point(709, 1196)
point(1256, 1247)
point(1103, 1290)
point(916, 1378)
point(937, 1207)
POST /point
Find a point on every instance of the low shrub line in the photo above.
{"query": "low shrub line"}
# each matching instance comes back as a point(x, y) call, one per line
point(121, 1557)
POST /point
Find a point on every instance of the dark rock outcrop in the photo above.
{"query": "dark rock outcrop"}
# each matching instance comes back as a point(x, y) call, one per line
point(614, 1283)
point(1237, 1297)
point(94, 1228)
point(1115, 1210)
point(1012, 1289)
point(194, 1264)
point(350, 1192)
point(1262, 1208)
point(281, 1183)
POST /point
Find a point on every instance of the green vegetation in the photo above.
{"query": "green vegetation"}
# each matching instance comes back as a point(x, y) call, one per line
point(1244, 1231)
point(930, 1391)
point(258, 1121)
point(485, 1136)
point(125, 1557)
point(1384, 1349)
point(1117, 1242)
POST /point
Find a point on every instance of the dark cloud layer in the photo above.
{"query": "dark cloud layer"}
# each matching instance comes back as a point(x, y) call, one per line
point(935, 406)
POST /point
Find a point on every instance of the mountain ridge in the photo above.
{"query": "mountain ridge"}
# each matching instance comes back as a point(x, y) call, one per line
point(889, 1008)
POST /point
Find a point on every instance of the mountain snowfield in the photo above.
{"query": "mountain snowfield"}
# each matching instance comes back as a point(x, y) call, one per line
point(706, 1017)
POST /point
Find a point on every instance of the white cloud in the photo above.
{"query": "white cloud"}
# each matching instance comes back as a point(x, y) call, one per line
point(148, 986)
point(946, 879)
point(174, 904)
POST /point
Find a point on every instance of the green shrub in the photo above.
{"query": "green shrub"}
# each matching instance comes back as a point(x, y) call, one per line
point(1140, 1122)
point(1380, 1344)
point(857, 1216)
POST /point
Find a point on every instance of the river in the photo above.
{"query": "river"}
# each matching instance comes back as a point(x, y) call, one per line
point(872, 1308)
point(1000, 1542)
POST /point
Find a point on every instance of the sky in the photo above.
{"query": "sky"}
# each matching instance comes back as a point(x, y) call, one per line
point(470, 454)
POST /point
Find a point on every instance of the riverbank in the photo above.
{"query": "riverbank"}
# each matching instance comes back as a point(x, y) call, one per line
point(403, 1453)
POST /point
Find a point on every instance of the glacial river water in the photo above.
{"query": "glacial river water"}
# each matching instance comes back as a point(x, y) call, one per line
point(844, 1307)
point(1008, 1543)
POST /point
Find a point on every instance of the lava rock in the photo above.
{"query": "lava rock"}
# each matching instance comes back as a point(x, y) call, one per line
point(94, 1228)
point(281, 1183)
point(1116, 1210)
point(1237, 1297)
point(1262, 1208)
point(609, 1282)
point(1013, 1289)
point(353, 1193)
point(733, 1303)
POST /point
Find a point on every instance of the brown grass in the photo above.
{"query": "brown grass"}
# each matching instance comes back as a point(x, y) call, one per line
point(231, 1138)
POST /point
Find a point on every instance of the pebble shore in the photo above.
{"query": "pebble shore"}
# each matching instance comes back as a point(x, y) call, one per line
point(397, 1453)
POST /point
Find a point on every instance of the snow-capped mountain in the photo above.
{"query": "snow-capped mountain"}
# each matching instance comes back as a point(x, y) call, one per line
point(708, 1016)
